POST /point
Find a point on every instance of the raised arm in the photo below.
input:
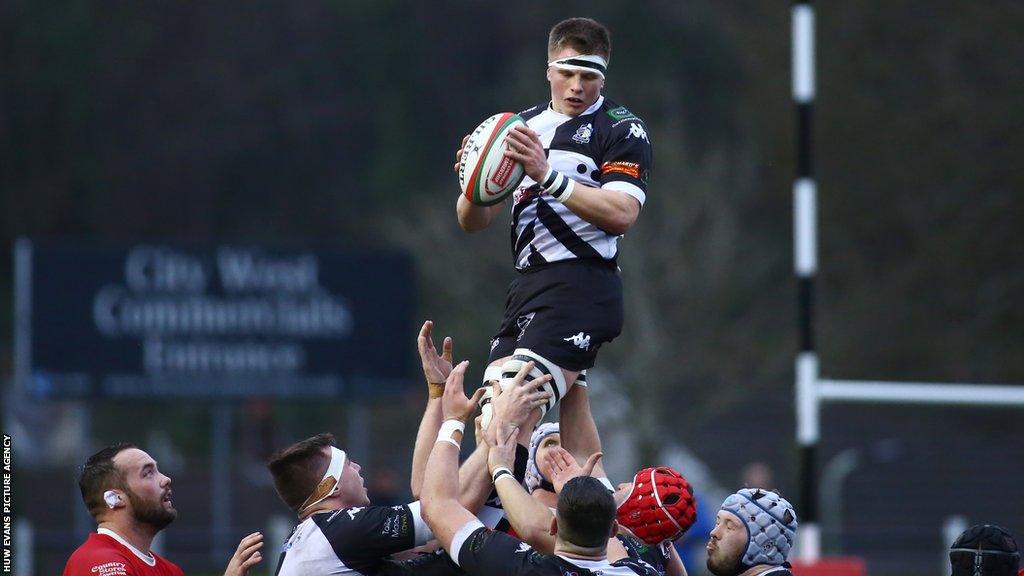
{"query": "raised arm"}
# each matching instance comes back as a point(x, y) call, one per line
point(579, 432)
point(474, 483)
point(441, 508)
point(530, 519)
point(436, 368)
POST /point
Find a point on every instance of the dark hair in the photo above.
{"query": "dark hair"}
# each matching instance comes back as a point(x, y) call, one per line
point(99, 474)
point(586, 510)
point(984, 550)
point(585, 35)
point(299, 468)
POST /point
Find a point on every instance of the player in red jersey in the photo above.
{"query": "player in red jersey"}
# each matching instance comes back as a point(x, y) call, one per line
point(131, 502)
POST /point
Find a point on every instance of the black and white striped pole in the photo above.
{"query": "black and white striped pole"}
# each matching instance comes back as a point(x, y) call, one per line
point(805, 260)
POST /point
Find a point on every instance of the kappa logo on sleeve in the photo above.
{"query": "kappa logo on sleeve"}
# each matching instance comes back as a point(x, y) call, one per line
point(637, 131)
point(631, 169)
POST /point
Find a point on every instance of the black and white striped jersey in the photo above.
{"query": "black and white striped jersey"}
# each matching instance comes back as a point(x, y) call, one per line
point(606, 146)
point(353, 540)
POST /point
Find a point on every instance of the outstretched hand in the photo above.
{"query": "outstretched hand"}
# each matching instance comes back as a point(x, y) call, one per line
point(503, 452)
point(436, 367)
point(564, 467)
point(517, 403)
point(246, 555)
point(454, 403)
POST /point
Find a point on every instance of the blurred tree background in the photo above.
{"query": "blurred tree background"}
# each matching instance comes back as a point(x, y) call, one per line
point(335, 124)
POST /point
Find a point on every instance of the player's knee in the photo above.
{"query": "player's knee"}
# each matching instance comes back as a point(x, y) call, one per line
point(492, 374)
point(541, 367)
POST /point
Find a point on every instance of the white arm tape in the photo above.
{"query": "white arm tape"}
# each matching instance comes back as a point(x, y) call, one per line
point(422, 532)
point(607, 483)
point(460, 538)
point(631, 189)
point(449, 427)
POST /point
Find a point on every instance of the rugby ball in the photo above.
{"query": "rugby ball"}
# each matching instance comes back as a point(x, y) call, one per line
point(486, 175)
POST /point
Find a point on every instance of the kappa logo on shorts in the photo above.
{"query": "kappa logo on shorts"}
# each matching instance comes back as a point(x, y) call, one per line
point(581, 341)
point(523, 322)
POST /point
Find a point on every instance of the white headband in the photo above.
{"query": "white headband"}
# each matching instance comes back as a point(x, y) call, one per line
point(582, 62)
point(325, 489)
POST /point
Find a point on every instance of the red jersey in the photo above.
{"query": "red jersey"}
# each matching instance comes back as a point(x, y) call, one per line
point(102, 555)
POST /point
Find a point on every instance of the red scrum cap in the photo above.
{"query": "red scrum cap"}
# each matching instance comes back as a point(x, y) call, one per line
point(659, 507)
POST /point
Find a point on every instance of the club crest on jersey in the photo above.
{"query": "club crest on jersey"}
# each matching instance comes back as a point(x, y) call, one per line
point(583, 134)
point(637, 131)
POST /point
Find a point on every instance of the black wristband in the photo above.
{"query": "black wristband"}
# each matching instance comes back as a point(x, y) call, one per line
point(499, 473)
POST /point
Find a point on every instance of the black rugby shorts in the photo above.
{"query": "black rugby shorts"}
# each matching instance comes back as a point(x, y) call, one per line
point(563, 311)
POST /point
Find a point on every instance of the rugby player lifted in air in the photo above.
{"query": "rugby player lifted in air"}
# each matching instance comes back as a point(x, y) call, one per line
point(587, 161)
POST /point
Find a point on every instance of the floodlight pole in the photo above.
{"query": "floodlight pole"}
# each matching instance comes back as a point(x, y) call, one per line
point(805, 261)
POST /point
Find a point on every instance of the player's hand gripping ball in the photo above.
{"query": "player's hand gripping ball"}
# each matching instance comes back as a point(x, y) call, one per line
point(486, 175)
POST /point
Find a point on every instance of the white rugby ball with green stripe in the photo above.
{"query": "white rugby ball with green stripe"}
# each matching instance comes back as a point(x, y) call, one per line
point(486, 175)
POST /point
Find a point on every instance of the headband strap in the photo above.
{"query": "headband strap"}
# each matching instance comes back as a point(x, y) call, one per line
point(329, 483)
point(582, 62)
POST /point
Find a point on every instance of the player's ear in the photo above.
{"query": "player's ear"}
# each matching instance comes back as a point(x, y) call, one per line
point(548, 73)
point(553, 530)
point(112, 499)
point(615, 528)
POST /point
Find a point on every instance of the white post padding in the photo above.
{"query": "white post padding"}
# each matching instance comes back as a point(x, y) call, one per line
point(803, 53)
point(805, 221)
point(807, 402)
point(920, 393)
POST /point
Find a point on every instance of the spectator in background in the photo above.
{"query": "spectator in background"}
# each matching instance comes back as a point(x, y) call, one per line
point(757, 475)
point(131, 502)
point(984, 550)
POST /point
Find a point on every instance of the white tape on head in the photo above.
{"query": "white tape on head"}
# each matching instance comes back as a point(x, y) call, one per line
point(328, 485)
point(583, 63)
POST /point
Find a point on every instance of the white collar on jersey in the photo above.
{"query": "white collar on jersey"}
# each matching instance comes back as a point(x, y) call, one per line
point(147, 558)
point(587, 564)
point(593, 108)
